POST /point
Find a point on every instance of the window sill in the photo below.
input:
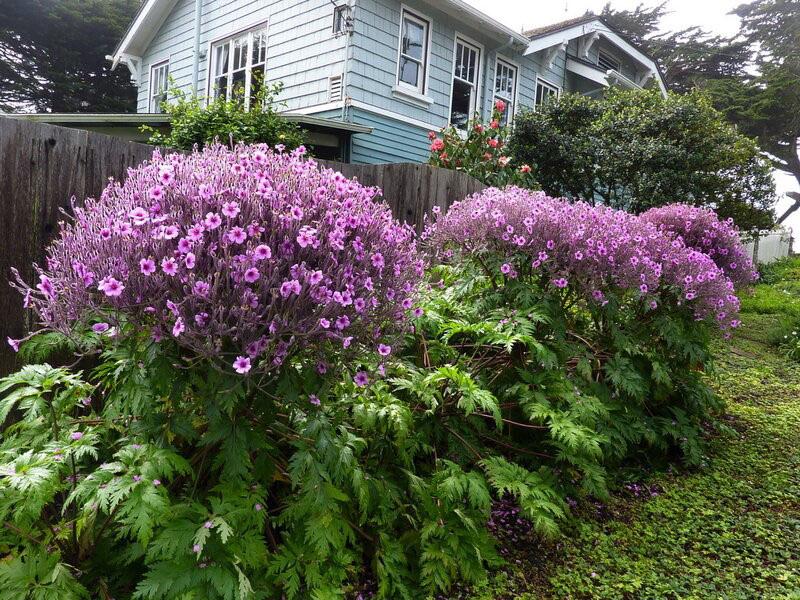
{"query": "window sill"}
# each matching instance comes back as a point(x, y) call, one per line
point(411, 97)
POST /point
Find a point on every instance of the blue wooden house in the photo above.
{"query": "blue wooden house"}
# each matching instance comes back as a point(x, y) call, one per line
point(401, 68)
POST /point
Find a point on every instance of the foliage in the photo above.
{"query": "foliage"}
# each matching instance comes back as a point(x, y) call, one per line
point(158, 471)
point(753, 78)
point(481, 152)
point(196, 121)
point(242, 257)
point(52, 56)
point(741, 510)
point(635, 150)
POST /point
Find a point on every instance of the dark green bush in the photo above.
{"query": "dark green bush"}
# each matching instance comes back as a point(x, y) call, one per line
point(197, 121)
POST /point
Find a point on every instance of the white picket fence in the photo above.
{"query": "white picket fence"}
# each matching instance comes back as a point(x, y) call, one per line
point(769, 246)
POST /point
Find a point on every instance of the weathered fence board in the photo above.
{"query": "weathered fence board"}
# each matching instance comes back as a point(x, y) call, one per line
point(43, 166)
point(412, 190)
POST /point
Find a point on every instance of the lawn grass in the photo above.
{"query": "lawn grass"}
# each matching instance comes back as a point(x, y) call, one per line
point(728, 530)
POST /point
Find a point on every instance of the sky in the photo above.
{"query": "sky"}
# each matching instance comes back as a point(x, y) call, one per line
point(711, 15)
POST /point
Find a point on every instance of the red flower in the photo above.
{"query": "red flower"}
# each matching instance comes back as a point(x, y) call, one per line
point(431, 135)
point(478, 128)
point(493, 143)
point(525, 169)
point(487, 156)
point(495, 124)
point(500, 105)
point(437, 145)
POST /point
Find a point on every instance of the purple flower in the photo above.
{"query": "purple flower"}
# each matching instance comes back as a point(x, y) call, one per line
point(230, 209)
point(342, 322)
point(150, 237)
point(262, 252)
point(100, 327)
point(169, 266)
point(236, 235)
point(505, 268)
point(324, 323)
point(212, 221)
point(179, 327)
point(384, 350)
point(13, 343)
point(76, 435)
point(156, 482)
point(241, 365)
point(197, 549)
point(314, 400)
point(111, 287)
point(147, 266)
point(361, 379)
point(258, 507)
point(322, 368)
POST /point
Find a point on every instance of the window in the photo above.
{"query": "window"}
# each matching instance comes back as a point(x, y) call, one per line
point(413, 61)
point(159, 82)
point(544, 92)
point(607, 62)
point(466, 74)
point(238, 65)
point(505, 87)
point(341, 14)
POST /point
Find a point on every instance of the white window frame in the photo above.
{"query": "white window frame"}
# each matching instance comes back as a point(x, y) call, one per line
point(229, 40)
point(478, 85)
point(547, 85)
point(420, 19)
point(162, 94)
point(513, 100)
point(612, 58)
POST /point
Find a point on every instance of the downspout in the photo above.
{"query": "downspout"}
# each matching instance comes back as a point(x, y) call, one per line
point(350, 26)
point(198, 13)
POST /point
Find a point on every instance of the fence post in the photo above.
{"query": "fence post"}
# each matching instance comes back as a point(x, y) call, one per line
point(756, 237)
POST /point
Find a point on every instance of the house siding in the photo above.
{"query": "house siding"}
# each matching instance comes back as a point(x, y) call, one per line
point(302, 51)
point(373, 67)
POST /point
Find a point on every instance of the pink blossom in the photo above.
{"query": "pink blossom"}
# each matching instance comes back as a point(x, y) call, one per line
point(251, 275)
point(212, 221)
point(241, 365)
point(230, 209)
point(169, 266)
point(147, 266)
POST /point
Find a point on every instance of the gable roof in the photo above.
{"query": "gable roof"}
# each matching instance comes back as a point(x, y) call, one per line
point(556, 34)
point(152, 14)
point(539, 31)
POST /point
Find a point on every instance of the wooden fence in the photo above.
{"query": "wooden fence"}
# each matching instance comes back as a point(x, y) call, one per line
point(43, 166)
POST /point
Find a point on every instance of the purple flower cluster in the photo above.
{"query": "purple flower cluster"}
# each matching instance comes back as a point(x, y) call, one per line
point(245, 256)
point(701, 229)
point(594, 251)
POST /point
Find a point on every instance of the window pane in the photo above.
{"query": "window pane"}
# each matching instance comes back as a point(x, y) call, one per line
point(221, 60)
point(466, 62)
point(413, 39)
point(461, 108)
point(240, 53)
point(259, 47)
point(256, 83)
point(237, 90)
point(409, 71)
point(221, 87)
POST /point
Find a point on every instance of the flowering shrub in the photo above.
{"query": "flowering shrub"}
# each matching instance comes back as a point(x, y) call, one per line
point(242, 257)
point(481, 152)
point(701, 229)
point(593, 251)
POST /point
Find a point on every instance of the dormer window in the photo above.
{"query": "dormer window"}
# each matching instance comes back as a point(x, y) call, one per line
point(608, 62)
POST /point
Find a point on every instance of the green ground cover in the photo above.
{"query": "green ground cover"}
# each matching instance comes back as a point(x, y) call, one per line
point(728, 530)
